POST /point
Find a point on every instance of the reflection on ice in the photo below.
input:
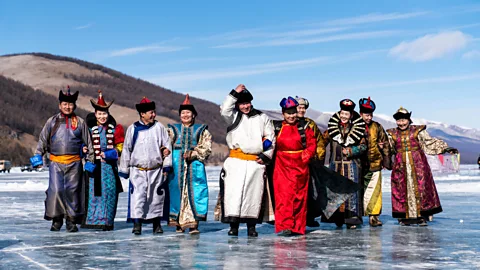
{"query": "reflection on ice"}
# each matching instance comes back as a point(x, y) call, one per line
point(447, 243)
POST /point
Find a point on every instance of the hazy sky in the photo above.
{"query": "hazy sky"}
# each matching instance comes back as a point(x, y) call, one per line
point(422, 55)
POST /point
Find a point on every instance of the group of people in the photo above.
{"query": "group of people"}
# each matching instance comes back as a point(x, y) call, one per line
point(274, 171)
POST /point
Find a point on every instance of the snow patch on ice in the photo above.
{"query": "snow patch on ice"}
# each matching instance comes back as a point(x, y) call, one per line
point(28, 185)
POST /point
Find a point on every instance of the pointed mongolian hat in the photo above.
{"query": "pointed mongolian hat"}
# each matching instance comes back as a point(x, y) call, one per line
point(367, 105)
point(68, 97)
point(302, 101)
point(100, 104)
point(402, 113)
point(347, 105)
point(289, 105)
point(145, 105)
point(186, 105)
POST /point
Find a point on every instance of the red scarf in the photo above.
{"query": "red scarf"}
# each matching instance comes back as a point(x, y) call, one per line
point(74, 121)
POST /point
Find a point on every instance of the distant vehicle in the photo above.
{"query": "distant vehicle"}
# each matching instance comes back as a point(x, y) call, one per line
point(27, 167)
point(5, 166)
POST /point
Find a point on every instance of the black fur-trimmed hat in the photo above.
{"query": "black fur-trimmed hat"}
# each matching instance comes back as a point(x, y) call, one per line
point(244, 97)
point(402, 113)
point(367, 105)
point(145, 105)
point(347, 105)
point(68, 97)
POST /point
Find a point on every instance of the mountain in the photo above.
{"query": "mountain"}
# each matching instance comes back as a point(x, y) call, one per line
point(466, 140)
point(47, 74)
point(19, 120)
point(37, 77)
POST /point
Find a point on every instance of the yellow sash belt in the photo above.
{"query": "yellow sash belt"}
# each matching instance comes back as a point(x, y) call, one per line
point(65, 159)
point(237, 153)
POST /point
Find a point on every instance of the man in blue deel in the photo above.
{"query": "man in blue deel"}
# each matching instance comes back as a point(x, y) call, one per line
point(62, 137)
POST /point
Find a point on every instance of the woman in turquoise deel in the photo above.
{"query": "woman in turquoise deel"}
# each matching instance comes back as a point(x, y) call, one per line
point(185, 169)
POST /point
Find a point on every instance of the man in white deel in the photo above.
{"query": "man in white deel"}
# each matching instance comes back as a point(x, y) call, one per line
point(146, 145)
point(251, 140)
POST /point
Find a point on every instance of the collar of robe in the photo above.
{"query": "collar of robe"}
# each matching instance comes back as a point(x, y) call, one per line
point(353, 136)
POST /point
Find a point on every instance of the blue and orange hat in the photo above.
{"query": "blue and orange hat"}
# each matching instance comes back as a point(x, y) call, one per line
point(289, 105)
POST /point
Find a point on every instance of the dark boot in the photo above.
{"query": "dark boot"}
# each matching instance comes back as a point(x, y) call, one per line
point(285, 233)
point(251, 230)
point(311, 222)
point(233, 229)
point(137, 228)
point(57, 224)
point(71, 227)
point(422, 222)
point(157, 227)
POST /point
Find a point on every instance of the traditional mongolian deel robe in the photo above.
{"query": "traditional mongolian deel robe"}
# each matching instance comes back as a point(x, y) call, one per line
point(351, 137)
point(414, 193)
point(62, 137)
point(320, 140)
point(187, 180)
point(142, 160)
point(373, 160)
point(103, 188)
point(244, 180)
point(291, 177)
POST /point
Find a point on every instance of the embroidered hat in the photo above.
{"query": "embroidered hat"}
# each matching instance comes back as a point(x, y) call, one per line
point(186, 105)
point(347, 105)
point(100, 104)
point(289, 105)
point(302, 101)
point(367, 105)
point(402, 113)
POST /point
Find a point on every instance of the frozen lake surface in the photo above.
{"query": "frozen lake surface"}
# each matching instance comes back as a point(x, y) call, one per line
point(452, 241)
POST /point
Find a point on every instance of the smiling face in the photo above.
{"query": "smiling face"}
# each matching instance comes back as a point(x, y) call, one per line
point(301, 111)
point(367, 117)
point(186, 116)
point(148, 117)
point(66, 108)
point(290, 118)
point(403, 124)
point(345, 116)
point(245, 107)
point(101, 116)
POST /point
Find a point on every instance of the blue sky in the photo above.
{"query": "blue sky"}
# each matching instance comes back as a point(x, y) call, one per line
point(422, 55)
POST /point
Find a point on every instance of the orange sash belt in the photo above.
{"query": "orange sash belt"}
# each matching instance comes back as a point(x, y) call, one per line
point(237, 153)
point(65, 159)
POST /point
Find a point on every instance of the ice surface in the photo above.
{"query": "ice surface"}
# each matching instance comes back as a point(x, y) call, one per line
point(448, 243)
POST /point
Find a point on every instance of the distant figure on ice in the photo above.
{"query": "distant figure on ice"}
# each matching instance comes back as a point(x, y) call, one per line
point(145, 148)
point(187, 179)
point(251, 139)
point(302, 108)
point(62, 137)
point(345, 133)
point(104, 185)
point(374, 160)
point(478, 161)
point(414, 194)
point(295, 147)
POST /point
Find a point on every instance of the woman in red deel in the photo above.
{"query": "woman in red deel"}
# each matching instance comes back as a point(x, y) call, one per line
point(296, 145)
